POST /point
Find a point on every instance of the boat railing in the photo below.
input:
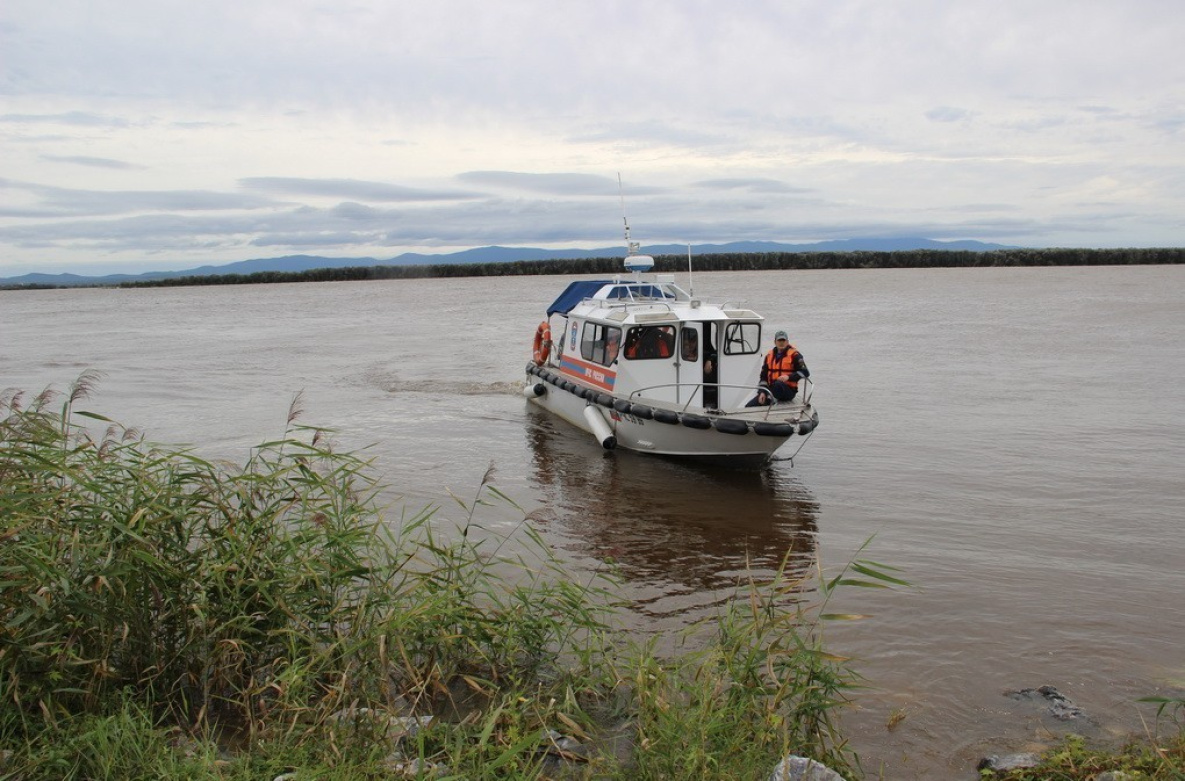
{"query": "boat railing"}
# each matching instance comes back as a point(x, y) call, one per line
point(626, 303)
point(697, 389)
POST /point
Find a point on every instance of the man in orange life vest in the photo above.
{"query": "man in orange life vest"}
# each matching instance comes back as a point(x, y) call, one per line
point(783, 368)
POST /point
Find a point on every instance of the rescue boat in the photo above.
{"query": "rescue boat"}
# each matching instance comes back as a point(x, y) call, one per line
point(642, 364)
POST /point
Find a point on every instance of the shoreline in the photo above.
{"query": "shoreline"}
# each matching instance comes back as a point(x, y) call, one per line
point(666, 264)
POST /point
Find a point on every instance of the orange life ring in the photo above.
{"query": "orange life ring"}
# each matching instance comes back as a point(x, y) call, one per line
point(542, 347)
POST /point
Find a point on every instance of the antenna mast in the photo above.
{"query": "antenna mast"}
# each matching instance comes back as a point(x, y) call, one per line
point(634, 261)
point(631, 247)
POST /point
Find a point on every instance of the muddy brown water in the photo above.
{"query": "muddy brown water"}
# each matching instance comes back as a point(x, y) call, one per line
point(1009, 438)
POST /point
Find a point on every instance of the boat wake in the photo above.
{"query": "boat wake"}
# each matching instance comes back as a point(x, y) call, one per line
point(440, 386)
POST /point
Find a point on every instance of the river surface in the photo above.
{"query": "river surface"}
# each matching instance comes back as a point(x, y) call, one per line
point(1011, 439)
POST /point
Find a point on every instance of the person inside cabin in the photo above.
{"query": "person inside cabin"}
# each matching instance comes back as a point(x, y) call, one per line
point(612, 346)
point(631, 343)
point(657, 342)
point(666, 341)
point(690, 353)
point(690, 349)
point(650, 341)
point(782, 369)
point(711, 388)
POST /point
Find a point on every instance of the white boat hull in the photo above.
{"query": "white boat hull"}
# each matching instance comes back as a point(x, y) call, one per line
point(668, 430)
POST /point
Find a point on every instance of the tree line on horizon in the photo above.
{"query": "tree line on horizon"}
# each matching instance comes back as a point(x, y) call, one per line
point(734, 261)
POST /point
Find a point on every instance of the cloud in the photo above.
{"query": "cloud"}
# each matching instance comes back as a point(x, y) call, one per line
point(310, 240)
point(349, 188)
point(93, 162)
point(211, 131)
point(62, 201)
point(757, 186)
point(948, 114)
point(565, 184)
point(79, 119)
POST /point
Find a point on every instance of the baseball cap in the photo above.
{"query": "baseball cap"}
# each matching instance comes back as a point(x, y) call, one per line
point(781, 335)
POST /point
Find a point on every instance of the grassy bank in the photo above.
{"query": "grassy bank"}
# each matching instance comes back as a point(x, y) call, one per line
point(164, 616)
point(1159, 758)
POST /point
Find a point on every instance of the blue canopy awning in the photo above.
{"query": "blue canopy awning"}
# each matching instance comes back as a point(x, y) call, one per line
point(574, 294)
point(578, 291)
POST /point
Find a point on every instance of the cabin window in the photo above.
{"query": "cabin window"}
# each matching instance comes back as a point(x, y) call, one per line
point(646, 342)
point(742, 338)
point(640, 292)
point(689, 346)
point(600, 343)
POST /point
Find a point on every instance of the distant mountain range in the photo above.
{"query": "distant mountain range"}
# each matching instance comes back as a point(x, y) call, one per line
point(292, 263)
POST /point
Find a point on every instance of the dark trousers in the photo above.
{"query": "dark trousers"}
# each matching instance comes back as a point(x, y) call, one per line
point(781, 392)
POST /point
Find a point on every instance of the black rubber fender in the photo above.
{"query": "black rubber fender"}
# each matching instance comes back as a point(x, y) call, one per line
point(767, 429)
point(731, 426)
point(807, 426)
point(621, 405)
point(605, 400)
point(666, 416)
point(696, 421)
point(642, 411)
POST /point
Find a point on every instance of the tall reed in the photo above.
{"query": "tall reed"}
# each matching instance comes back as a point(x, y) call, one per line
point(272, 607)
point(236, 591)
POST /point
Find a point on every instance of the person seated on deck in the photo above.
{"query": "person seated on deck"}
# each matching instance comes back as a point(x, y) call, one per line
point(783, 368)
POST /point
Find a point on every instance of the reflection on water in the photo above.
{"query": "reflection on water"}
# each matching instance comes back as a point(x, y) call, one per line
point(680, 533)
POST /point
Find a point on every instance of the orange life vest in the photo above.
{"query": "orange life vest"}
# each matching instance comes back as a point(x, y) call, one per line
point(775, 367)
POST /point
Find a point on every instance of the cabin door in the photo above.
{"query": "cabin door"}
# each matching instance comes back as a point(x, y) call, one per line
point(710, 361)
point(689, 367)
point(738, 346)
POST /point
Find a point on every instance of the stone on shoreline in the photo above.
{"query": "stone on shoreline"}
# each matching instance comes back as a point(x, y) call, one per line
point(1008, 762)
point(794, 768)
point(1060, 705)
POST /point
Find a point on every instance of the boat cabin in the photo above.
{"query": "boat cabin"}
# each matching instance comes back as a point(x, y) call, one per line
point(648, 339)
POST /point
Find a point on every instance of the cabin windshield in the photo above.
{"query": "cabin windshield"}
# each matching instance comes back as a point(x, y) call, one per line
point(646, 291)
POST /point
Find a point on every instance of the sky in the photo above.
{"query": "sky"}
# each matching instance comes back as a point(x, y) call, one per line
point(145, 135)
